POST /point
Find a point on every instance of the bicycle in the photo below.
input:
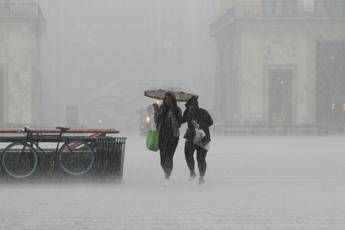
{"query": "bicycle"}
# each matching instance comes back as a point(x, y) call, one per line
point(21, 158)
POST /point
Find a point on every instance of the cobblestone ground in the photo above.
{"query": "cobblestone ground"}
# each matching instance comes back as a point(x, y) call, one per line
point(252, 183)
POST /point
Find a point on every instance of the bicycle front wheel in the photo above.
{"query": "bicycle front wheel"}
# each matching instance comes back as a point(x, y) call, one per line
point(19, 160)
point(76, 158)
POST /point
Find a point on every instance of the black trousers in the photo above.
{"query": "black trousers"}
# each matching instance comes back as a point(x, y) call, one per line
point(201, 153)
point(167, 151)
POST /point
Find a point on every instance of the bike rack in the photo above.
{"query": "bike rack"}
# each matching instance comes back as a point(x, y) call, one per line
point(108, 149)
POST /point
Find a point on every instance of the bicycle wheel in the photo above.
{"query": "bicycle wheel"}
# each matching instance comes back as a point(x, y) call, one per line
point(76, 158)
point(19, 160)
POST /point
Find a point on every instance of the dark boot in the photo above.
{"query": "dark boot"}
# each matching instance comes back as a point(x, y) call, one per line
point(192, 175)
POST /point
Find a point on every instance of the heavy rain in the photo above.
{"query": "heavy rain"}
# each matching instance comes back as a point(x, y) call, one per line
point(172, 114)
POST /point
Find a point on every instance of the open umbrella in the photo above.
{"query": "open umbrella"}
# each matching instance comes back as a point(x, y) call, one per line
point(160, 93)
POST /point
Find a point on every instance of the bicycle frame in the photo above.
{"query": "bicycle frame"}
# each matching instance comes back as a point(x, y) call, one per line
point(34, 141)
point(34, 137)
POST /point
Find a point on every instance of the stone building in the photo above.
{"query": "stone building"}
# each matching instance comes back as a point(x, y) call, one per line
point(280, 62)
point(20, 88)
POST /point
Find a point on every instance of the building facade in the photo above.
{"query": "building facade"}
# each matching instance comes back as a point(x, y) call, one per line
point(280, 62)
point(20, 90)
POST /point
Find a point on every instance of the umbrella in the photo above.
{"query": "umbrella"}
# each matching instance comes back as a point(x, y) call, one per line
point(160, 93)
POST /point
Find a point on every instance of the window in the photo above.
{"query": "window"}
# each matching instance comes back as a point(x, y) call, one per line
point(308, 5)
point(279, 7)
point(268, 6)
point(4, 3)
point(330, 8)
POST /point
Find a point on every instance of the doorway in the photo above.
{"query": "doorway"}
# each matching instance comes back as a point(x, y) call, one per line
point(280, 96)
point(2, 88)
point(330, 83)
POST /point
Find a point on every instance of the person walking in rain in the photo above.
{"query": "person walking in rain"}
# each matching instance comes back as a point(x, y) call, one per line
point(168, 118)
point(198, 121)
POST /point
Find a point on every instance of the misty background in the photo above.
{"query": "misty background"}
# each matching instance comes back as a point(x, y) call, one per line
point(273, 67)
point(259, 66)
point(100, 56)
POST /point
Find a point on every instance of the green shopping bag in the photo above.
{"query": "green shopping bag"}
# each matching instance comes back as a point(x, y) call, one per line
point(152, 140)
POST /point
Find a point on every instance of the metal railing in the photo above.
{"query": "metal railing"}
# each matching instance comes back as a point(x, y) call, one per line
point(266, 129)
point(36, 156)
point(300, 11)
point(21, 10)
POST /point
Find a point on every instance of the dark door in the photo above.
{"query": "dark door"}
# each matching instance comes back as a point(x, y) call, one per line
point(330, 83)
point(280, 96)
point(1, 96)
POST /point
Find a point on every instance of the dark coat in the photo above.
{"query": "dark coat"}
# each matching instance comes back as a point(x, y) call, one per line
point(165, 123)
point(168, 126)
point(201, 116)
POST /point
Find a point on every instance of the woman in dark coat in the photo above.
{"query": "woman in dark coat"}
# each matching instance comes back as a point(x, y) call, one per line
point(196, 117)
point(168, 118)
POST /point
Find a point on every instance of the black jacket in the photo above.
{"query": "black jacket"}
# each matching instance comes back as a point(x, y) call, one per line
point(168, 129)
point(202, 117)
point(162, 121)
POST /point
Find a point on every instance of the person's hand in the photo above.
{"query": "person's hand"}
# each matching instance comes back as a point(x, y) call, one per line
point(156, 107)
point(195, 124)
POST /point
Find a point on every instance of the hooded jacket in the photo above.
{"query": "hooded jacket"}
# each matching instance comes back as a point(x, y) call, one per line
point(201, 116)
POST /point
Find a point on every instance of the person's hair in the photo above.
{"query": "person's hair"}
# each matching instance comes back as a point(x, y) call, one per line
point(175, 108)
point(174, 102)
